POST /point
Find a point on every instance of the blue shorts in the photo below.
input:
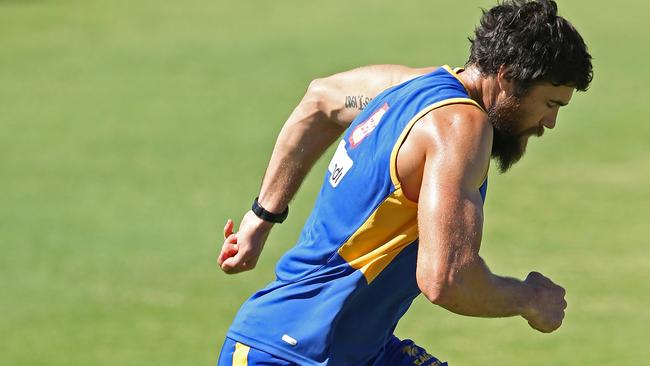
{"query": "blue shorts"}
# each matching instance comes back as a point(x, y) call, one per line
point(398, 353)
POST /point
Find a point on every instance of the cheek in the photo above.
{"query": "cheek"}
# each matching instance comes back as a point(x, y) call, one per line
point(531, 117)
point(525, 120)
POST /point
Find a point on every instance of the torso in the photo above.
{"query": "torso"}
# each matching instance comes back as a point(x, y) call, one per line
point(360, 243)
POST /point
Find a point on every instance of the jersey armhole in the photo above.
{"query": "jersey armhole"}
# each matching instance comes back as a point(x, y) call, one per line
point(407, 129)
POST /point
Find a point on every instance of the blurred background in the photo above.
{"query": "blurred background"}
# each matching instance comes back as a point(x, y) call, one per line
point(131, 130)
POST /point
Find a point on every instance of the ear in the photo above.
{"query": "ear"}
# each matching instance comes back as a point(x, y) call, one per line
point(503, 82)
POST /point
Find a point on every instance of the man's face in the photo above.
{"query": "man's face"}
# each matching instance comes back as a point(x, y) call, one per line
point(515, 119)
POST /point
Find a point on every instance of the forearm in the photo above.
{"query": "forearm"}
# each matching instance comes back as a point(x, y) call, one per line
point(451, 273)
point(303, 139)
point(476, 291)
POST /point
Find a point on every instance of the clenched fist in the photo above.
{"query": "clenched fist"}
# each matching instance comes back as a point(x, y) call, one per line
point(241, 250)
point(547, 304)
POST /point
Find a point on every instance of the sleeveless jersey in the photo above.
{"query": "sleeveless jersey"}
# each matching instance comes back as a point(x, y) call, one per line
point(340, 292)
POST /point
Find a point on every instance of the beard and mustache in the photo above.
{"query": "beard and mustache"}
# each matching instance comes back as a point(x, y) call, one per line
point(508, 145)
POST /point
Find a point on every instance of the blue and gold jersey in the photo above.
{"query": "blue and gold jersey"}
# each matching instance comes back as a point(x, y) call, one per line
point(341, 290)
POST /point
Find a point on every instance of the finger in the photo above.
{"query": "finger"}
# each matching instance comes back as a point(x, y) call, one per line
point(233, 265)
point(227, 251)
point(227, 230)
point(232, 239)
point(555, 326)
point(535, 327)
point(241, 262)
point(540, 329)
point(229, 248)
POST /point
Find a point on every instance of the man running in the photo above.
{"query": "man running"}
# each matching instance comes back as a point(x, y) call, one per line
point(400, 211)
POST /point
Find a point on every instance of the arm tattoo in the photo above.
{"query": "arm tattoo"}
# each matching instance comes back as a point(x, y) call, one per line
point(357, 101)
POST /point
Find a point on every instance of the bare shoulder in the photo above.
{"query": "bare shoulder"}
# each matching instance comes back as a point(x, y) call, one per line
point(384, 75)
point(413, 72)
point(454, 126)
point(342, 96)
point(458, 138)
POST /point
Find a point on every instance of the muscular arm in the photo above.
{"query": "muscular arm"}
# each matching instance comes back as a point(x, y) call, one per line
point(450, 271)
point(327, 108)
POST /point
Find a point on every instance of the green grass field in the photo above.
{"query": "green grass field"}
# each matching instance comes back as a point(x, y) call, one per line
point(130, 131)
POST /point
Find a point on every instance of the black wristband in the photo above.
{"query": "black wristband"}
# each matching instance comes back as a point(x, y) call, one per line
point(269, 216)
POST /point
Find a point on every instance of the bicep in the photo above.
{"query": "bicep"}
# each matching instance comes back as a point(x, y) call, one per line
point(450, 218)
point(450, 207)
point(345, 95)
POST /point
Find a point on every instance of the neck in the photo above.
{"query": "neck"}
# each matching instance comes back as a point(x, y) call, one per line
point(482, 89)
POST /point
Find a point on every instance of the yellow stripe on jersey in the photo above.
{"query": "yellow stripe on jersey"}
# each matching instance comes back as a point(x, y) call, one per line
point(388, 230)
point(240, 357)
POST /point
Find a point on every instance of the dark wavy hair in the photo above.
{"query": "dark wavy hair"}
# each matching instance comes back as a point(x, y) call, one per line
point(533, 43)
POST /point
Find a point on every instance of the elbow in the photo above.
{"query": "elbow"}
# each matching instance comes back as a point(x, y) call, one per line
point(317, 92)
point(317, 86)
point(437, 288)
point(446, 284)
point(319, 99)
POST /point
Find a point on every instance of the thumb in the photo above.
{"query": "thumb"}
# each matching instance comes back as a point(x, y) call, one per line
point(540, 279)
point(536, 276)
point(233, 264)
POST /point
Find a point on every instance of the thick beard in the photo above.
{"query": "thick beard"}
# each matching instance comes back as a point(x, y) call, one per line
point(508, 146)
